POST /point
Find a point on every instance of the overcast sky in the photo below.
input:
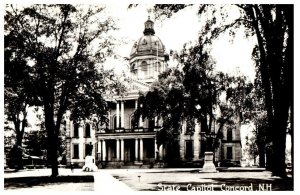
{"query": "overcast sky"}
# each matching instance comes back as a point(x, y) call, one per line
point(181, 28)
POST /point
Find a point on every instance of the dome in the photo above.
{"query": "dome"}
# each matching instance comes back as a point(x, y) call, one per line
point(148, 44)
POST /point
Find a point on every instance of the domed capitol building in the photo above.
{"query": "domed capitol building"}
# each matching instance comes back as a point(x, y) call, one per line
point(123, 144)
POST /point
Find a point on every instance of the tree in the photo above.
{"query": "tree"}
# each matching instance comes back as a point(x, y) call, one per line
point(35, 142)
point(193, 95)
point(255, 112)
point(18, 95)
point(64, 46)
point(272, 25)
point(252, 148)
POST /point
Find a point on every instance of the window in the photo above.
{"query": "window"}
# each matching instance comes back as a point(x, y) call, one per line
point(144, 42)
point(144, 66)
point(229, 134)
point(75, 151)
point(151, 125)
point(189, 149)
point(159, 66)
point(76, 130)
point(65, 125)
point(133, 69)
point(88, 149)
point(229, 153)
point(134, 125)
point(87, 130)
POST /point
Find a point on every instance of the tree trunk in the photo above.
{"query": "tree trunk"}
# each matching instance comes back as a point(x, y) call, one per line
point(262, 156)
point(281, 110)
point(18, 153)
point(52, 140)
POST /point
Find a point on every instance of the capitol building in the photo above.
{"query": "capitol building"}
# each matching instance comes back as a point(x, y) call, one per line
point(124, 144)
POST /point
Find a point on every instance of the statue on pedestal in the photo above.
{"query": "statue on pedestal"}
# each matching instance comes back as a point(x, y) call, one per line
point(89, 163)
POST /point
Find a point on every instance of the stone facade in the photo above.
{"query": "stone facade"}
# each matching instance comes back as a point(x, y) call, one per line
point(123, 144)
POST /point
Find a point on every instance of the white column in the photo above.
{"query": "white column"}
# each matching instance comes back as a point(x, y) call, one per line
point(155, 148)
point(136, 104)
point(103, 150)
point(122, 114)
point(141, 122)
point(136, 149)
point(99, 150)
point(160, 152)
point(141, 149)
point(117, 115)
point(117, 149)
point(122, 149)
point(99, 147)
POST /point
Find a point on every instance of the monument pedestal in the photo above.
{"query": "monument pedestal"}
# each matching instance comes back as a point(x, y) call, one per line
point(89, 164)
point(209, 166)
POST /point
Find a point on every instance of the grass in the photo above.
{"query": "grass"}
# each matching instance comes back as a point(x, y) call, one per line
point(27, 182)
point(151, 181)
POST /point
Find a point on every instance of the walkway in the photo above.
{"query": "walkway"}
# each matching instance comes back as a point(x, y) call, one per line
point(104, 182)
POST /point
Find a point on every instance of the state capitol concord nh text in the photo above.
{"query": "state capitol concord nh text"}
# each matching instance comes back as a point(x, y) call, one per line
point(214, 187)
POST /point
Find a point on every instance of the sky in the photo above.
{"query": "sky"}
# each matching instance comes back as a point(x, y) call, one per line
point(230, 54)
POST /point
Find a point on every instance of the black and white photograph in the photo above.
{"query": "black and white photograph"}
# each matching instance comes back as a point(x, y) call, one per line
point(123, 97)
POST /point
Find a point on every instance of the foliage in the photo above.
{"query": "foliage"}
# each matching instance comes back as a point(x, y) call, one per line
point(272, 25)
point(193, 94)
point(64, 45)
point(35, 142)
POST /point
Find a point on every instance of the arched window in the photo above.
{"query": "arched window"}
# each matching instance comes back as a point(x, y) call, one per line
point(115, 122)
point(229, 134)
point(159, 67)
point(87, 130)
point(76, 130)
point(144, 69)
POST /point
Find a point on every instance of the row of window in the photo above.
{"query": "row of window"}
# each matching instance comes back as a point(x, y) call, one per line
point(87, 150)
point(189, 150)
point(87, 130)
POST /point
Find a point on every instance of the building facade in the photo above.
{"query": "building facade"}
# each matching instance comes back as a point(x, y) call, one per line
point(121, 143)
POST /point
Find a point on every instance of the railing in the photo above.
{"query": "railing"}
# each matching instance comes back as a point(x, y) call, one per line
point(123, 130)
